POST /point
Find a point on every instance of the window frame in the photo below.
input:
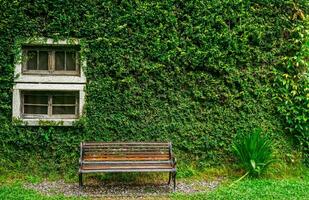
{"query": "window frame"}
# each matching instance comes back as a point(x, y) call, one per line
point(51, 49)
point(33, 80)
point(49, 114)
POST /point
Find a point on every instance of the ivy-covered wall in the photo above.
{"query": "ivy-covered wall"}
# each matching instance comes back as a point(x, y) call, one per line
point(190, 72)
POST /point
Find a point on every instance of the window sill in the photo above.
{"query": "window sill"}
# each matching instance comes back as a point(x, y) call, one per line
point(44, 122)
point(50, 79)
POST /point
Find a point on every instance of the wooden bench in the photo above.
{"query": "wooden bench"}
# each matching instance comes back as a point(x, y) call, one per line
point(96, 157)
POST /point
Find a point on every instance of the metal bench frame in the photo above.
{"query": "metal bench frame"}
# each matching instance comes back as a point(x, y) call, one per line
point(124, 161)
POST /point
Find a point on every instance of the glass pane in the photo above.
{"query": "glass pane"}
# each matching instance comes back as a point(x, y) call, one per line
point(43, 60)
point(32, 60)
point(60, 110)
point(63, 99)
point(71, 61)
point(35, 109)
point(35, 99)
point(59, 60)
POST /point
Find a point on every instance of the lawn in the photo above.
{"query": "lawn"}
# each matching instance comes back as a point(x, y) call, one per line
point(290, 188)
point(257, 189)
point(16, 192)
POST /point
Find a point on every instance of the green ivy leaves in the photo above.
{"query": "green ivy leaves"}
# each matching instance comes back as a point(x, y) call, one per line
point(190, 72)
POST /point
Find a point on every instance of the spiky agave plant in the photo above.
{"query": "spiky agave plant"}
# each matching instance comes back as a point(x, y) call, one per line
point(254, 153)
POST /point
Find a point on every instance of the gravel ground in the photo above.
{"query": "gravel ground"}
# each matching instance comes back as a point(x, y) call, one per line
point(122, 190)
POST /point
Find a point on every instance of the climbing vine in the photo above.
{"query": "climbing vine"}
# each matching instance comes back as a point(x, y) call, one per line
point(190, 72)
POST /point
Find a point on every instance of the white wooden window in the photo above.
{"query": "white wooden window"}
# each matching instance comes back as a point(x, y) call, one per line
point(56, 60)
point(50, 104)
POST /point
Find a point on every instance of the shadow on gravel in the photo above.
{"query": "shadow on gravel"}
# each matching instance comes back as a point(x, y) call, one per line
point(120, 189)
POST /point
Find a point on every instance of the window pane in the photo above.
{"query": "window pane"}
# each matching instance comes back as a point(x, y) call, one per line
point(35, 99)
point(59, 60)
point(71, 61)
point(43, 60)
point(60, 110)
point(32, 60)
point(35, 109)
point(64, 99)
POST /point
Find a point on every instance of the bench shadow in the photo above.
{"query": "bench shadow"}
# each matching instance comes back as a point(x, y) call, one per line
point(126, 184)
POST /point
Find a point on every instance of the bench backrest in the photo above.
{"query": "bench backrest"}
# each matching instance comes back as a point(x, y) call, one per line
point(112, 151)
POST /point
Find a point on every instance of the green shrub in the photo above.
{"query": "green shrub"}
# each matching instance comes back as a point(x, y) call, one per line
point(254, 152)
point(293, 84)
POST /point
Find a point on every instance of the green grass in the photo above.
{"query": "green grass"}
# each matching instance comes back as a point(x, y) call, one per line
point(16, 192)
point(284, 185)
point(296, 188)
point(257, 189)
point(247, 189)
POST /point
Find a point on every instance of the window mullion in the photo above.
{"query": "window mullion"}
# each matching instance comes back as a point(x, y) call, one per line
point(77, 64)
point(50, 58)
point(25, 60)
point(37, 60)
point(76, 106)
point(22, 103)
point(49, 105)
point(65, 61)
point(53, 60)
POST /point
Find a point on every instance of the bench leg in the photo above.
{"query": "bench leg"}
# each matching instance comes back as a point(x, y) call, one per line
point(174, 179)
point(169, 178)
point(80, 177)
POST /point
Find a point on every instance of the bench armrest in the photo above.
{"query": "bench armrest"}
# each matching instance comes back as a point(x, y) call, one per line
point(172, 157)
point(174, 161)
point(81, 153)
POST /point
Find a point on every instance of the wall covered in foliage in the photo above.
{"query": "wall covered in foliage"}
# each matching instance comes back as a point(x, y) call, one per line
point(190, 72)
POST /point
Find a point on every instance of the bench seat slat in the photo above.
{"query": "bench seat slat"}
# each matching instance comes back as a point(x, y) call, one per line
point(123, 159)
point(126, 162)
point(126, 155)
point(97, 157)
point(104, 157)
point(128, 170)
point(102, 151)
point(117, 147)
point(131, 146)
point(127, 144)
point(102, 167)
point(126, 149)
